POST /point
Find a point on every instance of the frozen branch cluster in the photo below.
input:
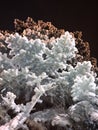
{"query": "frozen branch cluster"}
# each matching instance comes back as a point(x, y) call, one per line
point(35, 66)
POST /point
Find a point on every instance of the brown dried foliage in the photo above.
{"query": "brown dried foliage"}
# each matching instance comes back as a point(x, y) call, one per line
point(47, 32)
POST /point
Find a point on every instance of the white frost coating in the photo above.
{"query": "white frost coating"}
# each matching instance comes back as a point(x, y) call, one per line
point(84, 81)
point(82, 87)
point(9, 100)
point(33, 64)
point(30, 53)
point(83, 68)
point(65, 46)
point(21, 117)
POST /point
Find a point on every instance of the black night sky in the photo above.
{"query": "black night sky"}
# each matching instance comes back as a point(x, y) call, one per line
point(71, 15)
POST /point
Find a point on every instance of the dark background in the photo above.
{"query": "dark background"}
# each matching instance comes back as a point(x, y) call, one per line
point(71, 15)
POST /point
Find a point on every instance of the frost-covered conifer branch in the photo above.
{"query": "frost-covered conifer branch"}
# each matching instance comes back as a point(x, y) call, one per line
point(36, 67)
point(21, 117)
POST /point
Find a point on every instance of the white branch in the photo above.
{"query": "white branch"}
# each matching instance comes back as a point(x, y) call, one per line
point(21, 117)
